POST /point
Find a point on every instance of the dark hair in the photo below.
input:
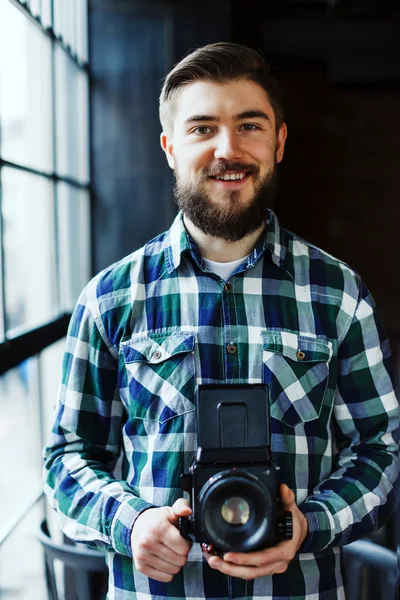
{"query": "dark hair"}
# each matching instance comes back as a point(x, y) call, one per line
point(221, 62)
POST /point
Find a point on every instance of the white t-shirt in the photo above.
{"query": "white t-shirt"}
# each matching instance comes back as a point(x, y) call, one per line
point(225, 269)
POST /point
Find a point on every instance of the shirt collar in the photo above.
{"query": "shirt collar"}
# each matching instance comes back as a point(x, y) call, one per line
point(178, 241)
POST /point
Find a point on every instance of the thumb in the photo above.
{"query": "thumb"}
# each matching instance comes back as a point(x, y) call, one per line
point(287, 496)
point(180, 508)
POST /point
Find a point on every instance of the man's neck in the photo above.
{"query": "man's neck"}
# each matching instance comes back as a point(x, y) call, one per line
point(220, 250)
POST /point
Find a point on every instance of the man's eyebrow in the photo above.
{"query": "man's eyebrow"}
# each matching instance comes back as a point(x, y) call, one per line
point(247, 114)
point(252, 114)
point(199, 118)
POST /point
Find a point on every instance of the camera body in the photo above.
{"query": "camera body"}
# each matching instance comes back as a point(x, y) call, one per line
point(233, 482)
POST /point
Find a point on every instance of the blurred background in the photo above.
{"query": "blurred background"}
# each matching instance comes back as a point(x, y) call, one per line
point(83, 182)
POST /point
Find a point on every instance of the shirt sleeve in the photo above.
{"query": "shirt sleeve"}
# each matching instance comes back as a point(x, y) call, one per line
point(93, 506)
point(359, 496)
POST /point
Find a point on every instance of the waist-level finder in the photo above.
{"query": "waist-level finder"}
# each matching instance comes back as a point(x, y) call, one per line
point(232, 483)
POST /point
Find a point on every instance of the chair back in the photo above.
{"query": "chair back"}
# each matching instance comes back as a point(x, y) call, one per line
point(371, 571)
point(84, 563)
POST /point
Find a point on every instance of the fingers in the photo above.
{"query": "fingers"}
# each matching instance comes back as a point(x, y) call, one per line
point(173, 540)
point(286, 494)
point(180, 508)
point(146, 560)
point(158, 550)
point(157, 575)
point(168, 543)
point(300, 523)
point(282, 552)
point(169, 555)
point(245, 572)
point(160, 560)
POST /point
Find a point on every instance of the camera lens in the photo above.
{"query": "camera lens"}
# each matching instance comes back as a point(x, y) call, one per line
point(235, 511)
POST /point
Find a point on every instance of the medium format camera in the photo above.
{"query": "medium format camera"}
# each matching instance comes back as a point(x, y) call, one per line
point(232, 483)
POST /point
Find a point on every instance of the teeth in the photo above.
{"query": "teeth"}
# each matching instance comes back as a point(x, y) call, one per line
point(231, 177)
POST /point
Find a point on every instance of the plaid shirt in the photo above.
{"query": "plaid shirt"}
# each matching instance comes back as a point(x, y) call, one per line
point(150, 328)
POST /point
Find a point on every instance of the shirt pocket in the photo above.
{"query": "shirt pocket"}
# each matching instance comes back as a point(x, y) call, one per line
point(296, 369)
point(160, 371)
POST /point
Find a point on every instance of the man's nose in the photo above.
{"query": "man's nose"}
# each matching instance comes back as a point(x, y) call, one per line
point(227, 146)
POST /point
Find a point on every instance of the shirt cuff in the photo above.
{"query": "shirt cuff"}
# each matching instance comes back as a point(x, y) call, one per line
point(320, 527)
point(123, 522)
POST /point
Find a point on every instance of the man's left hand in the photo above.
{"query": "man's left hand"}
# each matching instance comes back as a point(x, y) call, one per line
point(272, 560)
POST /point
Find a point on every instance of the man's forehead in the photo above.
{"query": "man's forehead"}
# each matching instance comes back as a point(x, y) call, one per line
point(221, 99)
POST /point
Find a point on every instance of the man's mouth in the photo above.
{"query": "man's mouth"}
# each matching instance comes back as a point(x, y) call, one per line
point(231, 179)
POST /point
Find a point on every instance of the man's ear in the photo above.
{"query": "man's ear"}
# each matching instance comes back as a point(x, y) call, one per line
point(280, 142)
point(166, 145)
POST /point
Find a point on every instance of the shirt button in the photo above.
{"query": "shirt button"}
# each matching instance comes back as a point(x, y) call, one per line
point(228, 287)
point(300, 355)
point(157, 355)
point(231, 348)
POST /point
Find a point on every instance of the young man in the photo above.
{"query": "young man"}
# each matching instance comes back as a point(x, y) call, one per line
point(225, 296)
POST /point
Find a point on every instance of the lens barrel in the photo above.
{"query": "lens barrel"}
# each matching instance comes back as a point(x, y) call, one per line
point(236, 511)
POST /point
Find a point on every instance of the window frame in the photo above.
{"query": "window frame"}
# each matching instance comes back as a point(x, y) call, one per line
point(28, 343)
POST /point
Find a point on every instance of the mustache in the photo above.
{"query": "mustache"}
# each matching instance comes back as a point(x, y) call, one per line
point(238, 167)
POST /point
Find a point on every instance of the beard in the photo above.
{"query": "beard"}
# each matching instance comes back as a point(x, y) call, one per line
point(228, 218)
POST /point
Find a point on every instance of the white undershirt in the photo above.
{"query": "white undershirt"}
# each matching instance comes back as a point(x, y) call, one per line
point(225, 269)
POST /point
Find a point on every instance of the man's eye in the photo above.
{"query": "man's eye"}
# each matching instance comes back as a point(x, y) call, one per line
point(250, 126)
point(203, 130)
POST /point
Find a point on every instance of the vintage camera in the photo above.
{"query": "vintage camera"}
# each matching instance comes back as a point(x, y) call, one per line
point(233, 483)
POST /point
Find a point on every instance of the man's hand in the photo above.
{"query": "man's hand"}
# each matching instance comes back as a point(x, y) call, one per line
point(271, 560)
point(158, 549)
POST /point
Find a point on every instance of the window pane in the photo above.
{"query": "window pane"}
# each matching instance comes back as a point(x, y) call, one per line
point(66, 15)
point(50, 368)
point(74, 242)
point(46, 13)
point(20, 443)
point(34, 7)
point(60, 17)
point(25, 91)
point(72, 118)
point(29, 249)
point(83, 126)
point(57, 4)
point(21, 560)
point(2, 324)
point(82, 30)
point(70, 25)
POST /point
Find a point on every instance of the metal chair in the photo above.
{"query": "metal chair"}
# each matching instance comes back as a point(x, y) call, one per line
point(371, 571)
point(89, 568)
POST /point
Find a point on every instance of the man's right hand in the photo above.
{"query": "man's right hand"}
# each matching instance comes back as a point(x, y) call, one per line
point(158, 549)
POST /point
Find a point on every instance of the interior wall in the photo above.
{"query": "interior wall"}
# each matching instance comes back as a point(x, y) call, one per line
point(133, 45)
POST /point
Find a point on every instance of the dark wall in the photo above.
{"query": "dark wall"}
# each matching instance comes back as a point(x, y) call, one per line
point(130, 52)
point(339, 64)
point(133, 45)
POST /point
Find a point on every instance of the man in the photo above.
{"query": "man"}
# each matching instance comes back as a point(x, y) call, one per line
point(225, 296)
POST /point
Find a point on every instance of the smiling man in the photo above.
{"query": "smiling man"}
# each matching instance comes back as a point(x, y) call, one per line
point(223, 146)
point(226, 295)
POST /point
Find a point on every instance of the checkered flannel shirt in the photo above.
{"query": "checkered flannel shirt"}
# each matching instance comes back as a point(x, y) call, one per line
point(150, 328)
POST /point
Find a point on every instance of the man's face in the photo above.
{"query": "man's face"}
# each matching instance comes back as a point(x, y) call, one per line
point(224, 150)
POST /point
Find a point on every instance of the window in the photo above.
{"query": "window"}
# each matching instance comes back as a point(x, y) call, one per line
point(20, 474)
point(74, 258)
point(23, 578)
point(44, 251)
point(72, 123)
point(28, 248)
point(25, 91)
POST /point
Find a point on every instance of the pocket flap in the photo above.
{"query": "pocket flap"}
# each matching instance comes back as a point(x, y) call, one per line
point(155, 348)
point(299, 348)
